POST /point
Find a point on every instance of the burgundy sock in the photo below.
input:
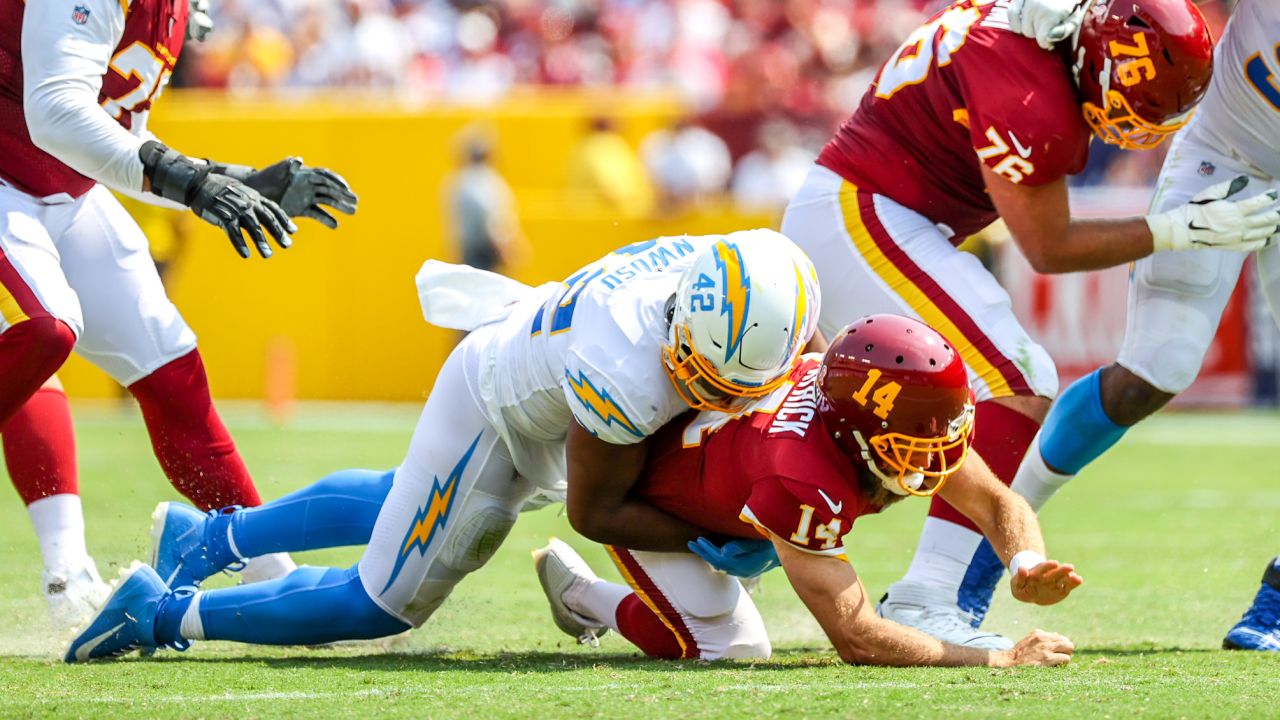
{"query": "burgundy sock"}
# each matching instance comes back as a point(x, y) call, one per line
point(1001, 437)
point(193, 446)
point(40, 447)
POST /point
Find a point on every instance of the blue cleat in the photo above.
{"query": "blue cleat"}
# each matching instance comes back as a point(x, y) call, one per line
point(188, 546)
point(1259, 629)
point(126, 621)
point(979, 584)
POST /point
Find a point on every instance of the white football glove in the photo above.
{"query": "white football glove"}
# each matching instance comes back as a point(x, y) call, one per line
point(199, 23)
point(1046, 21)
point(1210, 220)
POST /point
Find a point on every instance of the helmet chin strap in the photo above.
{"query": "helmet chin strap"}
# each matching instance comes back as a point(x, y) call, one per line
point(913, 480)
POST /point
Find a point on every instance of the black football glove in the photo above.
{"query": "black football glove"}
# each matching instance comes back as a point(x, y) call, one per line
point(217, 199)
point(300, 190)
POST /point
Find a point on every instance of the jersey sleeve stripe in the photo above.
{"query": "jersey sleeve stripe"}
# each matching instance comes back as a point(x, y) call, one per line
point(749, 517)
point(925, 296)
point(652, 597)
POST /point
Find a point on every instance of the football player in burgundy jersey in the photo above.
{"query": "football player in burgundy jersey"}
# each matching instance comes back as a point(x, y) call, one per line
point(887, 413)
point(969, 122)
point(77, 80)
point(1176, 301)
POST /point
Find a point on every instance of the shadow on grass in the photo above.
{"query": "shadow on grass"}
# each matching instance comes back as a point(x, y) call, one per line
point(445, 660)
point(1139, 650)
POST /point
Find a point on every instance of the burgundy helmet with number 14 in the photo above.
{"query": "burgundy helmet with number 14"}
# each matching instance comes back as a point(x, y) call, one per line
point(1141, 67)
point(895, 396)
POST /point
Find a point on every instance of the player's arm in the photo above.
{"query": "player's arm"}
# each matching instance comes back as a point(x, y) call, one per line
point(1011, 526)
point(601, 475)
point(834, 594)
point(1039, 219)
point(64, 59)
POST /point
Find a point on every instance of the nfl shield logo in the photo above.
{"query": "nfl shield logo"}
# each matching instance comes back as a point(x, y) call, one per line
point(1207, 168)
point(80, 15)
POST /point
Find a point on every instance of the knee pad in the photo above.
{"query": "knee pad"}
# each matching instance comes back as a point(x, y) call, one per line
point(1170, 366)
point(476, 538)
point(48, 339)
point(753, 646)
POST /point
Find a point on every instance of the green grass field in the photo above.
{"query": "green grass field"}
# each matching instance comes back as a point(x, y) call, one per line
point(1171, 533)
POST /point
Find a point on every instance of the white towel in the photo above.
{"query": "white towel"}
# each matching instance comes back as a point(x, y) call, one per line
point(461, 297)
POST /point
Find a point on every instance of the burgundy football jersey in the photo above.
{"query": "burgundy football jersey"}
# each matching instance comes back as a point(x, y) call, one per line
point(140, 66)
point(773, 468)
point(962, 90)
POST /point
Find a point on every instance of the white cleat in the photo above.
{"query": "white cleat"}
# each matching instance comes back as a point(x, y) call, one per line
point(74, 594)
point(560, 569)
point(933, 611)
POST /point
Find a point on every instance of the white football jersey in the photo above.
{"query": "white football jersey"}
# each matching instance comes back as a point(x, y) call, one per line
point(591, 348)
point(1242, 107)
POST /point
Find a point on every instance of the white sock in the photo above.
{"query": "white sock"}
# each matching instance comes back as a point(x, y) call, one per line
point(943, 555)
point(192, 628)
point(1035, 481)
point(597, 600)
point(267, 567)
point(59, 524)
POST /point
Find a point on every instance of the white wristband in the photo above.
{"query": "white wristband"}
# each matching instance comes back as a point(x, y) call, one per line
point(1025, 559)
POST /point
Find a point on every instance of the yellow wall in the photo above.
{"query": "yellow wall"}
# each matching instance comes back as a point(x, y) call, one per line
point(343, 303)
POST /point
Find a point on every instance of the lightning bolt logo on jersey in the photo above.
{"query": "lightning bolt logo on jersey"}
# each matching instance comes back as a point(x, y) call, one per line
point(432, 516)
point(737, 295)
point(600, 403)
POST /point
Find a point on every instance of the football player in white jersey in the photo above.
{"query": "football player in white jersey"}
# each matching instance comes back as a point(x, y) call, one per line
point(1175, 299)
point(563, 382)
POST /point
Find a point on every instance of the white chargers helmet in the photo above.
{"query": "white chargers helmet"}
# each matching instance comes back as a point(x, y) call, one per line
point(742, 313)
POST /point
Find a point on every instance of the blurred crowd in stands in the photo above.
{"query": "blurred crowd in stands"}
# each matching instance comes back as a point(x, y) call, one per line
point(765, 81)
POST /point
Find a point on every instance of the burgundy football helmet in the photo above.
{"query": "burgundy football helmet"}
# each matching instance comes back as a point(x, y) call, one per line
point(895, 396)
point(1141, 67)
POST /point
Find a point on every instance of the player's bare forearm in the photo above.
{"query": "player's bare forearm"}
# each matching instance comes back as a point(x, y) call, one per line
point(834, 594)
point(1000, 514)
point(601, 476)
point(1011, 526)
point(1098, 244)
point(1039, 219)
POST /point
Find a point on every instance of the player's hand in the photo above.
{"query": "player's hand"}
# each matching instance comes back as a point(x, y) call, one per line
point(1046, 583)
point(305, 191)
point(1212, 220)
point(1039, 647)
point(199, 23)
point(217, 199)
point(741, 558)
point(239, 209)
point(1048, 22)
